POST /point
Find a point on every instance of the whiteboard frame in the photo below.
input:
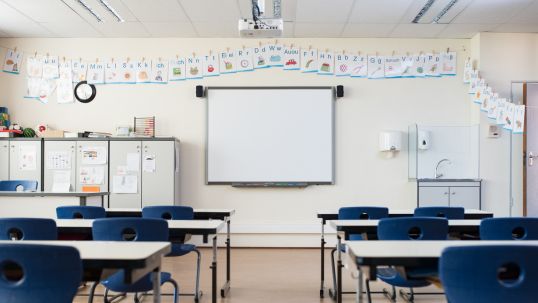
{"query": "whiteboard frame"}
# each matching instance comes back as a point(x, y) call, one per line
point(280, 183)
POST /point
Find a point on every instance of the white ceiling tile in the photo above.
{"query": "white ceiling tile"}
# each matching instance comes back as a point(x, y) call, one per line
point(367, 30)
point(417, 30)
point(170, 29)
point(76, 29)
point(211, 11)
point(323, 11)
point(527, 15)
point(156, 10)
point(517, 28)
point(379, 11)
point(122, 10)
point(491, 11)
point(288, 9)
point(124, 29)
point(318, 29)
point(44, 10)
point(213, 29)
point(462, 31)
point(15, 24)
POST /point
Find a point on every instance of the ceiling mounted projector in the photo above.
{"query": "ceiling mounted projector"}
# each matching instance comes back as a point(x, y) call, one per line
point(260, 26)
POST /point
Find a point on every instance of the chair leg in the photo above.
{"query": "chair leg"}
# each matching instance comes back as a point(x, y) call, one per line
point(176, 289)
point(390, 295)
point(92, 292)
point(197, 288)
point(105, 296)
point(368, 293)
point(408, 296)
point(333, 267)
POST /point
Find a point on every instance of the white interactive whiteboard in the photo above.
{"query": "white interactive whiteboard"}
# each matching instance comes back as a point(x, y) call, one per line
point(270, 135)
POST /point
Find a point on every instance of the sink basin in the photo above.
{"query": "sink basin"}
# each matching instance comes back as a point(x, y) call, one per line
point(448, 180)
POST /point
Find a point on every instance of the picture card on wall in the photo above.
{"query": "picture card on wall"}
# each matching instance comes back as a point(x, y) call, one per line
point(407, 63)
point(393, 67)
point(276, 52)
point(96, 72)
point(473, 83)
point(127, 71)
point(342, 64)
point(211, 65)
point(358, 66)
point(325, 63)
point(46, 88)
point(80, 69)
point(480, 91)
point(519, 119)
point(376, 67)
point(261, 56)
point(432, 66)
point(467, 70)
point(419, 66)
point(112, 73)
point(448, 63)
point(32, 88)
point(195, 66)
point(292, 58)
point(486, 99)
point(244, 60)
point(177, 69)
point(66, 71)
point(64, 91)
point(50, 67)
point(13, 61)
point(309, 60)
point(501, 107)
point(34, 67)
point(508, 116)
point(227, 62)
point(492, 107)
point(143, 71)
point(159, 71)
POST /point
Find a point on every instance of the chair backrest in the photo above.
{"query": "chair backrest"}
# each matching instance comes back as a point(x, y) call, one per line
point(168, 212)
point(80, 212)
point(362, 212)
point(480, 274)
point(18, 185)
point(451, 213)
point(130, 229)
point(412, 228)
point(509, 229)
point(28, 229)
point(39, 273)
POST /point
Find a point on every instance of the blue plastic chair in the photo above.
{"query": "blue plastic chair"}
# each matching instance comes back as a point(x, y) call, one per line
point(80, 212)
point(451, 213)
point(18, 185)
point(178, 249)
point(28, 229)
point(39, 273)
point(356, 213)
point(509, 229)
point(131, 229)
point(408, 228)
point(492, 273)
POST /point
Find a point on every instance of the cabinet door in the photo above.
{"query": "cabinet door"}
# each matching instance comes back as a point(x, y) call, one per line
point(158, 177)
point(125, 157)
point(4, 160)
point(60, 157)
point(25, 160)
point(433, 196)
point(467, 197)
point(90, 172)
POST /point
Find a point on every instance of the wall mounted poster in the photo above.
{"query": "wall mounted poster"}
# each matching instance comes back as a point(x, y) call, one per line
point(94, 155)
point(34, 67)
point(309, 60)
point(227, 62)
point(27, 157)
point(473, 83)
point(376, 67)
point(501, 107)
point(448, 63)
point(276, 55)
point(432, 67)
point(407, 66)
point(177, 69)
point(467, 70)
point(32, 88)
point(194, 67)
point(244, 60)
point(419, 66)
point(508, 115)
point(80, 69)
point(13, 61)
point(96, 73)
point(143, 71)
point(159, 71)
point(46, 88)
point(211, 65)
point(292, 58)
point(50, 67)
point(91, 175)
point(261, 56)
point(486, 99)
point(112, 73)
point(492, 107)
point(127, 72)
point(358, 66)
point(342, 64)
point(519, 119)
point(393, 67)
point(325, 63)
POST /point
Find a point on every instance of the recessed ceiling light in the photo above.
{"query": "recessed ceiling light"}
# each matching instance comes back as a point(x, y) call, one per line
point(423, 11)
point(88, 8)
point(444, 11)
point(112, 10)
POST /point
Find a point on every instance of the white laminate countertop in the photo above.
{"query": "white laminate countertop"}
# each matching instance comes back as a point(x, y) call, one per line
point(172, 224)
point(338, 223)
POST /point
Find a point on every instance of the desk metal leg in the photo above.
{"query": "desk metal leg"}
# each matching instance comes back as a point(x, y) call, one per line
point(359, 287)
point(322, 286)
point(156, 280)
point(214, 272)
point(226, 288)
point(339, 271)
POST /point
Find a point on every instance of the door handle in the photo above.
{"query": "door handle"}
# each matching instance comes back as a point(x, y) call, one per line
point(531, 158)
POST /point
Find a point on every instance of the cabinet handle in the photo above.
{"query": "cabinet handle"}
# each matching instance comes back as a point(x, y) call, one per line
point(446, 193)
point(453, 193)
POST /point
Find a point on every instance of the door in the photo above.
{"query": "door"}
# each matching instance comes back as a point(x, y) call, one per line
point(25, 160)
point(60, 168)
point(92, 166)
point(125, 159)
point(4, 159)
point(467, 197)
point(530, 143)
point(433, 196)
point(158, 168)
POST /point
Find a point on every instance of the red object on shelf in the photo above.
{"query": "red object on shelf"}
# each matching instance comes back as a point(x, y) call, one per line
point(15, 131)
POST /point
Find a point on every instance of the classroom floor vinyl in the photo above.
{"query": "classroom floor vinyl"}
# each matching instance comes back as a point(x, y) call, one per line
point(260, 275)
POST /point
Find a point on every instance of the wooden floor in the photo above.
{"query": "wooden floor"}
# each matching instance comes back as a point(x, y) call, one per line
point(263, 275)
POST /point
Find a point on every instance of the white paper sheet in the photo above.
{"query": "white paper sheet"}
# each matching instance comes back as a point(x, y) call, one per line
point(127, 184)
point(94, 155)
point(27, 157)
point(92, 175)
point(149, 163)
point(61, 181)
point(133, 161)
point(59, 160)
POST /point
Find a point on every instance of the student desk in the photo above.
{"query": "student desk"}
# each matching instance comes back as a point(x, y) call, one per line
point(177, 229)
point(367, 255)
point(347, 227)
point(326, 215)
point(199, 214)
point(100, 259)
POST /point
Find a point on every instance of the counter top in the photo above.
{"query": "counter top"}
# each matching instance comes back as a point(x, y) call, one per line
point(50, 194)
point(448, 180)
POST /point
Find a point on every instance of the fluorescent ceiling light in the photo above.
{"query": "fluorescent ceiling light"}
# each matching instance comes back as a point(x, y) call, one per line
point(423, 11)
point(112, 10)
point(444, 11)
point(85, 5)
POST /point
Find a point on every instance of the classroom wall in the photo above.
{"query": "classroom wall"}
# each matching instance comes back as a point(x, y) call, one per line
point(285, 217)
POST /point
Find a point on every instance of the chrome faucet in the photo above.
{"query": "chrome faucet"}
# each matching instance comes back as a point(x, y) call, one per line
point(437, 174)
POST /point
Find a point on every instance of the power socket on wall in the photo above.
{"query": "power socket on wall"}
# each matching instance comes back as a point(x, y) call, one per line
point(494, 131)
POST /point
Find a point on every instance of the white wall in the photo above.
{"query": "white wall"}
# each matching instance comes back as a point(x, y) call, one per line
point(363, 175)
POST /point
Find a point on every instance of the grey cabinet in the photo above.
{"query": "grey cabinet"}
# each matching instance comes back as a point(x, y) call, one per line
point(4, 159)
point(452, 192)
point(60, 160)
point(121, 164)
point(96, 171)
point(25, 160)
